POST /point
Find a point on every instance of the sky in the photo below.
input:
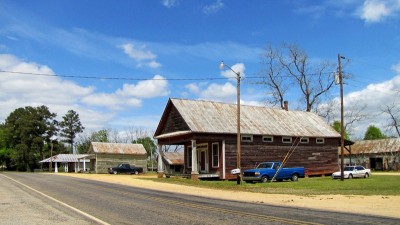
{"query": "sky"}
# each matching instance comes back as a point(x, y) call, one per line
point(116, 63)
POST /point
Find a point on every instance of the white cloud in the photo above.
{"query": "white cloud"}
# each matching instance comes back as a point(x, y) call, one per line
point(170, 3)
point(214, 7)
point(373, 97)
point(155, 87)
point(396, 68)
point(238, 68)
point(377, 10)
point(140, 55)
point(215, 92)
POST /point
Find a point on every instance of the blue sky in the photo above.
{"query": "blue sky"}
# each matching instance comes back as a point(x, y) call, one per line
point(150, 51)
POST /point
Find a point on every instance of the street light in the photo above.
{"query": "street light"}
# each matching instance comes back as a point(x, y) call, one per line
point(222, 66)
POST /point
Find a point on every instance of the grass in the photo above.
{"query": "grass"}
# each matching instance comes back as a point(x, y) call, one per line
point(375, 185)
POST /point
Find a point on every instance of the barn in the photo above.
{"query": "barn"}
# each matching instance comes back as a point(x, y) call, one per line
point(207, 132)
point(104, 155)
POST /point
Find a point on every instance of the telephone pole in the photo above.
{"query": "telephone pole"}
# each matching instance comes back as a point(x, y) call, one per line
point(341, 119)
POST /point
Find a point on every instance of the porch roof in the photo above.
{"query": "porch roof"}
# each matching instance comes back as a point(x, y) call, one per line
point(64, 158)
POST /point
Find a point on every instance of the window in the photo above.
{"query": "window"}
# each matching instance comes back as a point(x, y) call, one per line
point(215, 155)
point(189, 157)
point(247, 138)
point(286, 139)
point(320, 140)
point(304, 140)
point(268, 139)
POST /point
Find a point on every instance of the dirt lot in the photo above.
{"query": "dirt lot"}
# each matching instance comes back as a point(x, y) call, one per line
point(388, 206)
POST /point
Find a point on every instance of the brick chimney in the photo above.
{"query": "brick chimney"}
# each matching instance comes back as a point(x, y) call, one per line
point(286, 105)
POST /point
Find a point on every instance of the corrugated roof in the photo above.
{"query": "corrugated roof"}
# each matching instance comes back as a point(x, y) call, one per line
point(215, 117)
point(118, 148)
point(65, 158)
point(173, 158)
point(376, 146)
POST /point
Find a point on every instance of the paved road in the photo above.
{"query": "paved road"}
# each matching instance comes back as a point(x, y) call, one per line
point(101, 202)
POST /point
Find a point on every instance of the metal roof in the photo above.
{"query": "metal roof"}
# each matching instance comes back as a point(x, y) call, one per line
point(214, 117)
point(173, 158)
point(376, 146)
point(118, 148)
point(65, 158)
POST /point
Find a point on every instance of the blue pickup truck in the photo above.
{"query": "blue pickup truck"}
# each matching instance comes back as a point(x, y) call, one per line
point(265, 171)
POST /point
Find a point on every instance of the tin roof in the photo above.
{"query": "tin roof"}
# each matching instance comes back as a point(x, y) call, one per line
point(64, 158)
point(117, 148)
point(376, 146)
point(173, 158)
point(214, 117)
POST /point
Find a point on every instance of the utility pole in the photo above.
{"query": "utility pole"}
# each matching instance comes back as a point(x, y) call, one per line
point(341, 119)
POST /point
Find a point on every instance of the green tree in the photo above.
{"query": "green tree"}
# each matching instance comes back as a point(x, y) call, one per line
point(70, 126)
point(373, 133)
point(336, 126)
point(150, 147)
point(26, 131)
point(83, 144)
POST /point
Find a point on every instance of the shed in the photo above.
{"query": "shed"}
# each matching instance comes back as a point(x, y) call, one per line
point(173, 162)
point(207, 130)
point(381, 154)
point(104, 155)
point(70, 162)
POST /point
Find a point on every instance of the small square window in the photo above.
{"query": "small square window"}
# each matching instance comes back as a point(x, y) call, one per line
point(320, 141)
point(286, 139)
point(268, 139)
point(247, 138)
point(304, 140)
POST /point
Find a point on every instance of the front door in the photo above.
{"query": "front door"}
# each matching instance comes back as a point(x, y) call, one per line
point(202, 150)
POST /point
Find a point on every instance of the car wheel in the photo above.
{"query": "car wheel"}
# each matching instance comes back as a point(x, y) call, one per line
point(295, 177)
point(350, 176)
point(264, 179)
point(366, 175)
point(115, 172)
point(136, 172)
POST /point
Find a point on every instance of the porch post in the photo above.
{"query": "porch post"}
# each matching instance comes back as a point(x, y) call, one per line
point(195, 170)
point(55, 167)
point(223, 160)
point(160, 163)
point(84, 164)
point(76, 171)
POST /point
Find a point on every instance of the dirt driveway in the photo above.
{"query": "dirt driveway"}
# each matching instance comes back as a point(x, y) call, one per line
point(388, 206)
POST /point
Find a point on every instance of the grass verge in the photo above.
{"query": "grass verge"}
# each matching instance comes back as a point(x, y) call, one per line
point(375, 185)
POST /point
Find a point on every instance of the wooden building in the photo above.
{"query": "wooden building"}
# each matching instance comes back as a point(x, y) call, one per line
point(104, 155)
point(207, 130)
point(173, 163)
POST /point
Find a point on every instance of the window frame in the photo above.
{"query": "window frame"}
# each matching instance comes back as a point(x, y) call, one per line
point(213, 150)
point(269, 141)
point(287, 142)
point(320, 142)
point(304, 138)
point(246, 136)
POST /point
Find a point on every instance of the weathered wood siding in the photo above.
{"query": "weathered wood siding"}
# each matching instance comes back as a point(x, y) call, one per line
point(104, 161)
point(318, 159)
point(174, 122)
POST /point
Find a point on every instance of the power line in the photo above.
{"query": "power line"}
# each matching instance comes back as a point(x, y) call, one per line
point(144, 79)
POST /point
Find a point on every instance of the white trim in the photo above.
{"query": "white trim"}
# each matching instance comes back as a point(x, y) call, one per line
point(304, 140)
point(223, 160)
point(322, 141)
point(212, 155)
point(246, 138)
point(269, 137)
point(287, 142)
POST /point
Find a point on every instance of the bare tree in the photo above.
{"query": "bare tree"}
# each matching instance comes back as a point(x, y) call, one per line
point(289, 66)
point(393, 111)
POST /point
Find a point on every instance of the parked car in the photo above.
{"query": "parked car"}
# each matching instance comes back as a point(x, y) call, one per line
point(350, 172)
point(265, 171)
point(125, 168)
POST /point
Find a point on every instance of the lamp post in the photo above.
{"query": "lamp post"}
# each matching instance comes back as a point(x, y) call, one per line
point(222, 66)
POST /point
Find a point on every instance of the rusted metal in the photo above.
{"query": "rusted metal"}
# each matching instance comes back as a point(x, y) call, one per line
point(214, 117)
point(117, 148)
point(173, 158)
point(375, 146)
